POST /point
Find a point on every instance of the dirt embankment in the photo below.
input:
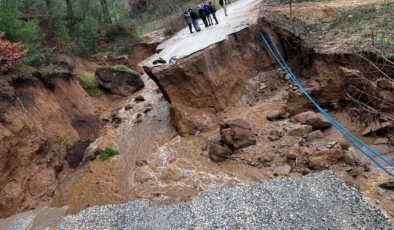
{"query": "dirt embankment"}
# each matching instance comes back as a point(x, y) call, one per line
point(44, 131)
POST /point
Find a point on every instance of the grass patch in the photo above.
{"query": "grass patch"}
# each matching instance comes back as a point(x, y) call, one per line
point(107, 153)
point(90, 85)
point(374, 23)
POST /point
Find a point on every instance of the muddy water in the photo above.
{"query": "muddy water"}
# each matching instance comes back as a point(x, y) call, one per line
point(154, 162)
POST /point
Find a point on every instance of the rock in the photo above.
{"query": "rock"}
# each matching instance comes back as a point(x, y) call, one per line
point(147, 110)
point(139, 98)
point(278, 115)
point(218, 153)
point(300, 130)
point(159, 61)
point(315, 135)
point(287, 77)
point(325, 158)
point(291, 157)
point(331, 144)
point(377, 128)
point(282, 170)
point(316, 120)
point(119, 80)
point(92, 151)
point(227, 136)
point(75, 155)
point(385, 84)
point(128, 107)
point(237, 134)
point(355, 171)
point(349, 158)
point(188, 120)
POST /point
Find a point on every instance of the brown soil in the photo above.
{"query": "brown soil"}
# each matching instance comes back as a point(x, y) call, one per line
point(42, 150)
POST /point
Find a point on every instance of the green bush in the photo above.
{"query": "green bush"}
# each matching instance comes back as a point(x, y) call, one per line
point(17, 30)
point(87, 37)
point(39, 58)
point(90, 85)
point(107, 153)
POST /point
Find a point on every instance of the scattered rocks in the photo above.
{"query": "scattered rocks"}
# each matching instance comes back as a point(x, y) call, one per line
point(282, 170)
point(278, 115)
point(275, 135)
point(300, 130)
point(237, 134)
point(385, 84)
point(139, 98)
point(316, 120)
point(349, 158)
point(355, 171)
point(218, 152)
point(315, 135)
point(377, 128)
point(119, 80)
point(325, 158)
point(128, 107)
point(147, 110)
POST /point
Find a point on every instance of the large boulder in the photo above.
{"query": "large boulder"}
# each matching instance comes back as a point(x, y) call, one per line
point(119, 80)
point(316, 120)
point(237, 134)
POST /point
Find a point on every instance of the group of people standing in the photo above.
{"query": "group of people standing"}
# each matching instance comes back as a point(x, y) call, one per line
point(205, 12)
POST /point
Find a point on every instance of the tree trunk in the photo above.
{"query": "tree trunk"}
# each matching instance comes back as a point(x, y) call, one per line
point(107, 17)
point(70, 11)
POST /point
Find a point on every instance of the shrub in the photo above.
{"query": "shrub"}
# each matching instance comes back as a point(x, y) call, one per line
point(18, 31)
point(107, 153)
point(39, 58)
point(10, 53)
point(87, 37)
point(90, 85)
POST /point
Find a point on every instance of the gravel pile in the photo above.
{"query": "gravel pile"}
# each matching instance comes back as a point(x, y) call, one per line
point(318, 201)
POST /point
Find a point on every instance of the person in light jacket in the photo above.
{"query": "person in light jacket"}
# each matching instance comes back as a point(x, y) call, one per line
point(223, 3)
point(201, 12)
point(189, 21)
point(213, 12)
point(194, 17)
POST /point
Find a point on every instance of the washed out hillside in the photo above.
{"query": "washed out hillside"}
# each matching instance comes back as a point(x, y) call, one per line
point(173, 114)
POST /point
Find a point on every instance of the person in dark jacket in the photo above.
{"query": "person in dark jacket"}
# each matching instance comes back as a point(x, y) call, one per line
point(201, 12)
point(213, 11)
point(189, 21)
point(194, 17)
point(223, 3)
point(207, 10)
